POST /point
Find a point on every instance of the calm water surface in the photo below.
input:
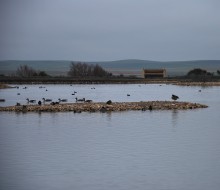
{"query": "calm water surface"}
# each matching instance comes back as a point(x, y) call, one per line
point(159, 150)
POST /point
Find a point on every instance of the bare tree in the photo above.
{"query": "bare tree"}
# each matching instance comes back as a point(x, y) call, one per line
point(79, 69)
point(25, 71)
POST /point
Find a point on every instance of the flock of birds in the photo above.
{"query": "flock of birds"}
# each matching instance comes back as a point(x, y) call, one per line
point(45, 100)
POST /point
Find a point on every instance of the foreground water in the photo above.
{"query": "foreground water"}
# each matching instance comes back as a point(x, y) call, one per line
point(119, 150)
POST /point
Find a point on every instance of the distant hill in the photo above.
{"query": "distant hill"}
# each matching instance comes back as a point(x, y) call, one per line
point(126, 67)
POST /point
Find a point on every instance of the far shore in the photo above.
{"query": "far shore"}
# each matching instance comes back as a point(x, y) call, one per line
point(8, 82)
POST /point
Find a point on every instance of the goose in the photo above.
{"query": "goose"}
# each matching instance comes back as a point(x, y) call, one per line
point(88, 101)
point(30, 101)
point(109, 102)
point(80, 100)
point(47, 100)
point(54, 103)
point(175, 97)
point(62, 100)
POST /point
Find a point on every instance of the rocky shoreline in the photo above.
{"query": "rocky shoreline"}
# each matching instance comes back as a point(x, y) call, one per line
point(104, 107)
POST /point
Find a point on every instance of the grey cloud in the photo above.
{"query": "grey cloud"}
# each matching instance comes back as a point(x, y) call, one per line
point(110, 30)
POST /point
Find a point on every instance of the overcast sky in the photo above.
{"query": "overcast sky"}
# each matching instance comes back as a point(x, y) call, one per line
point(102, 30)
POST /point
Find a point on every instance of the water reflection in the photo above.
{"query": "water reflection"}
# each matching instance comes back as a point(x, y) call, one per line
point(175, 118)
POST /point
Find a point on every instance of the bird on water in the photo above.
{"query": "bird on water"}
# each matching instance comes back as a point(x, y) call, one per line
point(30, 101)
point(47, 100)
point(175, 97)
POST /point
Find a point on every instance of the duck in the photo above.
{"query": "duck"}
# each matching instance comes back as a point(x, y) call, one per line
point(62, 100)
point(2, 100)
point(175, 97)
point(47, 100)
point(30, 101)
point(54, 103)
point(88, 101)
point(80, 100)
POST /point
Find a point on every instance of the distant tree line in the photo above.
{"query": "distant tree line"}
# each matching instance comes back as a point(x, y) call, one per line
point(80, 69)
point(202, 75)
point(199, 72)
point(26, 71)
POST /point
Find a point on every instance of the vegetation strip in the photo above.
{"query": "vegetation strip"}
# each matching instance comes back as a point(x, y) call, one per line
point(104, 107)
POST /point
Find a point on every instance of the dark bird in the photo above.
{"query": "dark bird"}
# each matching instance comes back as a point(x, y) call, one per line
point(18, 94)
point(80, 100)
point(88, 101)
point(62, 100)
point(54, 103)
point(174, 97)
point(30, 101)
point(128, 94)
point(39, 103)
point(2, 100)
point(18, 104)
point(109, 102)
point(47, 100)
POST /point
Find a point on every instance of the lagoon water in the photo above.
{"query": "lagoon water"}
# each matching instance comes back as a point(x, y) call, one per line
point(158, 150)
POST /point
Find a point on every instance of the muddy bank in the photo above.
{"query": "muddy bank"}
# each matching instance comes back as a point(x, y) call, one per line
point(103, 107)
point(2, 86)
point(196, 83)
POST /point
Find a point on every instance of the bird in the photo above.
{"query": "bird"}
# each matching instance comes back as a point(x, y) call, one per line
point(18, 94)
point(109, 102)
point(18, 104)
point(47, 100)
point(30, 101)
point(88, 101)
point(80, 100)
point(62, 100)
point(128, 94)
point(54, 103)
point(175, 97)
point(39, 103)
